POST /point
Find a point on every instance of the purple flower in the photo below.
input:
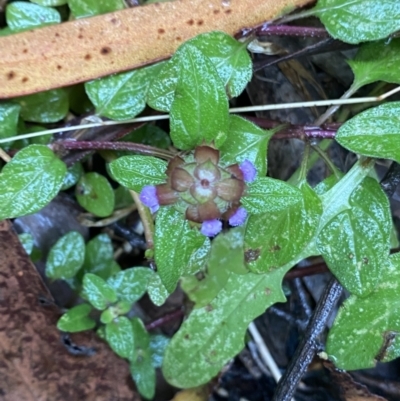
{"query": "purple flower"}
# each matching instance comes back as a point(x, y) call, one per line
point(148, 197)
point(210, 228)
point(239, 217)
point(249, 171)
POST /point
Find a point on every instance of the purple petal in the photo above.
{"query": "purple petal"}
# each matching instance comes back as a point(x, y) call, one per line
point(148, 197)
point(239, 217)
point(249, 171)
point(210, 228)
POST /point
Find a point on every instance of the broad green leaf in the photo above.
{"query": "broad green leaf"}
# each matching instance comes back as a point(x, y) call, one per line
point(141, 363)
point(21, 16)
point(66, 256)
point(44, 107)
point(267, 195)
point(30, 181)
point(95, 194)
point(98, 292)
point(88, 8)
point(356, 242)
point(273, 239)
point(121, 96)
point(374, 132)
point(230, 58)
point(226, 256)
point(199, 111)
point(50, 3)
point(246, 141)
point(196, 354)
point(27, 242)
point(114, 311)
point(73, 175)
point(376, 61)
point(99, 257)
point(156, 290)
point(175, 244)
point(134, 172)
point(76, 319)
point(131, 284)
point(355, 21)
point(158, 345)
point(120, 336)
point(9, 114)
point(161, 92)
point(366, 329)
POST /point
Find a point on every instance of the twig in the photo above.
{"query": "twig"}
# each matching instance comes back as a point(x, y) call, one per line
point(289, 30)
point(306, 350)
point(165, 319)
point(4, 155)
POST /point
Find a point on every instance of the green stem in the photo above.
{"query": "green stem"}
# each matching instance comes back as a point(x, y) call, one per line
point(147, 220)
point(327, 161)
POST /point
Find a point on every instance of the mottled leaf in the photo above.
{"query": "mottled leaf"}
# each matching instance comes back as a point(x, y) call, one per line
point(97, 291)
point(76, 319)
point(119, 334)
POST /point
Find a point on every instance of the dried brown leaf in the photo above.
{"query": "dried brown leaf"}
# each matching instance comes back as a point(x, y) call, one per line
point(84, 49)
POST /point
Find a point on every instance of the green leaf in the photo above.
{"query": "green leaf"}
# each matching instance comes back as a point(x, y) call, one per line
point(134, 172)
point(120, 337)
point(366, 329)
point(98, 292)
point(374, 132)
point(99, 257)
point(21, 16)
point(121, 96)
point(95, 194)
point(44, 107)
point(158, 345)
point(229, 56)
point(76, 319)
point(73, 175)
point(369, 68)
point(66, 256)
point(267, 195)
point(274, 239)
point(161, 92)
point(141, 364)
point(131, 284)
point(50, 3)
point(246, 141)
point(27, 242)
point(199, 111)
point(123, 197)
point(355, 21)
point(175, 244)
point(88, 8)
point(30, 181)
point(195, 355)
point(355, 243)
point(156, 290)
point(9, 114)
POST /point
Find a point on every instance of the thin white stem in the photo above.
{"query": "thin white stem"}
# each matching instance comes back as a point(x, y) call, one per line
point(232, 110)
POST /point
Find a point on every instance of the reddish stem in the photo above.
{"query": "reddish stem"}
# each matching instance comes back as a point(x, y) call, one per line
point(289, 30)
point(164, 319)
point(317, 268)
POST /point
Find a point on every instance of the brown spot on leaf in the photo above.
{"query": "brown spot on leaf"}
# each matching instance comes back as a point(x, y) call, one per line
point(216, 12)
point(268, 291)
point(251, 255)
point(11, 75)
point(25, 51)
point(24, 79)
point(388, 339)
point(178, 38)
point(57, 35)
point(200, 22)
point(209, 308)
point(105, 50)
point(228, 11)
point(113, 20)
point(275, 248)
point(190, 22)
point(80, 36)
point(59, 67)
point(161, 31)
point(88, 57)
point(186, 337)
point(365, 261)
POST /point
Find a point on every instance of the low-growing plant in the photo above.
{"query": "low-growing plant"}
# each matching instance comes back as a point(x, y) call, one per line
point(214, 222)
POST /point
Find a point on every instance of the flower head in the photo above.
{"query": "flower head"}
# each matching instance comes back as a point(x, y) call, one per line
point(249, 171)
point(210, 228)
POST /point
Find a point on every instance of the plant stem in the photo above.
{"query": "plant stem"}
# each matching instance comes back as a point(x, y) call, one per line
point(165, 319)
point(288, 30)
point(327, 161)
point(306, 350)
point(127, 146)
point(147, 220)
point(4, 155)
